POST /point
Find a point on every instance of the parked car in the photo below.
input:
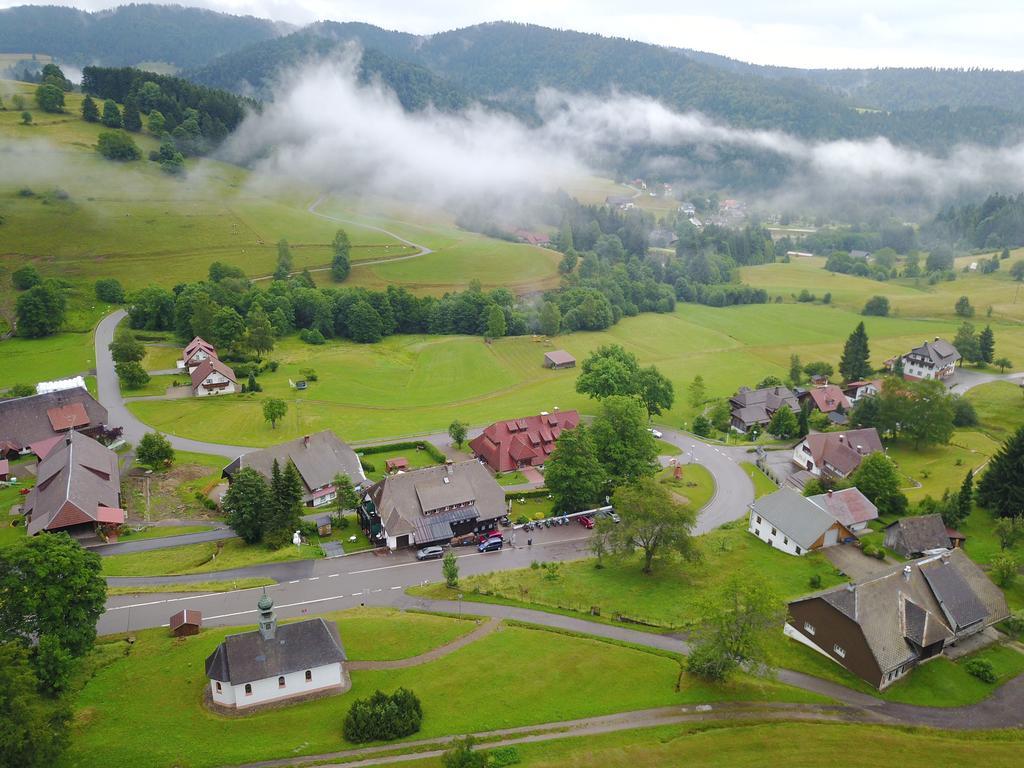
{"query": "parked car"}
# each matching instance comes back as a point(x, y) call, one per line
point(490, 545)
point(611, 516)
point(586, 522)
point(492, 535)
point(430, 553)
point(656, 433)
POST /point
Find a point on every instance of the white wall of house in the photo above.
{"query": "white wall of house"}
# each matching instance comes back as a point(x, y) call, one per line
point(207, 388)
point(801, 457)
point(764, 531)
point(270, 689)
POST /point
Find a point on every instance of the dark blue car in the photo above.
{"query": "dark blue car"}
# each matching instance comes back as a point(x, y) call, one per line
point(490, 545)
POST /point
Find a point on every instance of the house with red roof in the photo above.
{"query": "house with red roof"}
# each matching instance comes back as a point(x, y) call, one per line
point(527, 442)
point(827, 398)
point(34, 424)
point(835, 455)
point(195, 352)
point(212, 377)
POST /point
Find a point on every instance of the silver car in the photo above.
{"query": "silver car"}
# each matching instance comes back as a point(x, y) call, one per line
point(430, 553)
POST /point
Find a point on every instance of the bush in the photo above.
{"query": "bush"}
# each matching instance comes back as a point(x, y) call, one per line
point(383, 717)
point(964, 414)
point(877, 306)
point(367, 466)
point(312, 336)
point(272, 365)
point(981, 669)
point(1015, 624)
point(25, 278)
point(503, 756)
point(115, 145)
point(309, 374)
point(815, 581)
point(110, 290)
point(701, 426)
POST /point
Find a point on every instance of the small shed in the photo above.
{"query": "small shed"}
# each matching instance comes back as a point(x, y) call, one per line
point(323, 525)
point(186, 622)
point(396, 464)
point(559, 359)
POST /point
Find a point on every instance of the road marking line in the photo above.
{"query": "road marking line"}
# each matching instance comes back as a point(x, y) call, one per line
point(356, 594)
point(313, 578)
point(294, 582)
point(333, 575)
point(396, 587)
point(179, 599)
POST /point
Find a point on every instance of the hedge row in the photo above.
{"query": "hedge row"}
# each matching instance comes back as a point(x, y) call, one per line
point(421, 445)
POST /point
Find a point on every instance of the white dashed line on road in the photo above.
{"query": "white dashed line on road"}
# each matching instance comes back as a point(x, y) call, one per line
point(313, 578)
point(396, 587)
point(333, 575)
point(294, 582)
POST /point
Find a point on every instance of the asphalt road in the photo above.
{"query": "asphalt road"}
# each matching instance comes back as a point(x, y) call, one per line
point(109, 394)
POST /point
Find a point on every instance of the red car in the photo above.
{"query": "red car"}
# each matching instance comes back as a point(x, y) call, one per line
point(586, 522)
point(492, 535)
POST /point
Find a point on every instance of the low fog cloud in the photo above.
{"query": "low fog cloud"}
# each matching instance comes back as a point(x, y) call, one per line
point(329, 130)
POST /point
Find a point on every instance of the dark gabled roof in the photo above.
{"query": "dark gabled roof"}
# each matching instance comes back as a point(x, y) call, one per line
point(756, 406)
point(797, 517)
point(921, 533)
point(247, 657)
point(317, 457)
point(960, 605)
point(186, 616)
point(27, 420)
point(559, 357)
point(843, 451)
point(939, 353)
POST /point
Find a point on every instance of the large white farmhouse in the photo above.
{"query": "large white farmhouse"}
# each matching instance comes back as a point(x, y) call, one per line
point(275, 663)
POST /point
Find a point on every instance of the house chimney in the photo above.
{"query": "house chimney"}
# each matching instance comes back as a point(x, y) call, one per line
point(906, 573)
point(842, 439)
point(449, 468)
point(556, 409)
point(305, 441)
point(936, 338)
point(860, 450)
point(830, 493)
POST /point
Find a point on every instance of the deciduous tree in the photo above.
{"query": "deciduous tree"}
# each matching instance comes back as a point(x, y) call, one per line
point(259, 334)
point(609, 370)
point(131, 374)
point(783, 424)
point(573, 473)
point(35, 730)
point(246, 503)
point(50, 98)
point(111, 114)
point(496, 326)
point(40, 310)
point(274, 410)
point(876, 478)
point(625, 448)
point(154, 450)
point(457, 432)
point(125, 348)
point(340, 264)
point(650, 520)
point(450, 569)
point(697, 391)
point(550, 318)
point(654, 390)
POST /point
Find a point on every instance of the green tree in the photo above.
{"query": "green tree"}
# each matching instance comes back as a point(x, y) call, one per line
point(721, 415)
point(51, 586)
point(450, 568)
point(285, 511)
point(697, 391)
point(228, 328)
point(457, 432)
point(246, 503)
point(50, 98)
point(131, 118)
point(148, 95)
point(855, 362)
point(987, 344)
point(40, 310)
point(966, 343)
point(963, 307)
point(877, 478)
point(284, 260)
point(251, 385)
point(274, 410)
point(462, 755)
point(152, 309)
point(573, 473)
point(701, 425)
point(340, 264)
point(1002, 363)
point(35, 730)
point(110, 290)
point(1000, 488)
point(90, 112)
point(155, 123)
point(54, 665)
point(131, 374)
point(26, 118)
point(171, 161)
point(26, 277)
point(625, 448)
point(116, 145)
point(259, 334)
point(1017, 270)
point(929, 417)
point(21, 390)
point(568, 262)
point(795, 370)
point(125, 348)
point(784, 424)
point(347, 496)
point(111, 114)
point(1004, 570)
point(609, 370)
point(154, 450)
point(819, 368)
point(1009, 531)
point(964, 500)
point(550, 318)
point(736, 630)
point(650, 520)
point(877, 306)
point(654, 390)
point(365, 323)
point(496, 327)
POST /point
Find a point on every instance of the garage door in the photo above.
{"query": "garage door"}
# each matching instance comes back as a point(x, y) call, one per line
point(831, 537)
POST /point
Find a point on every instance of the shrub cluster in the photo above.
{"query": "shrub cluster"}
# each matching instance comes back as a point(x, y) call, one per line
point(981, 669)
point(383, 717)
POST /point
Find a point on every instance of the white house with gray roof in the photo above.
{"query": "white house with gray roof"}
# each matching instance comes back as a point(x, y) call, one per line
point(932, 360)
point(319, 458)
point(275, 663)
point(794, 524)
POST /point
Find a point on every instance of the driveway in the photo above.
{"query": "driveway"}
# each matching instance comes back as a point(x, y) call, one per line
point(854, 563)
point(966, 379)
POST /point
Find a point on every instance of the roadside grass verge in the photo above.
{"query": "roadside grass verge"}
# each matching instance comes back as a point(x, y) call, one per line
point(696, 487)
point(206, 557)
point(162, 532)
point(196, 587)
point(763, 484)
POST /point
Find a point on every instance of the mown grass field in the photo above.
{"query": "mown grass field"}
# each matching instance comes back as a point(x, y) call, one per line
point(1000, 408)
point(763, 485)
point(161, 681)
point(743, 745)
point(205, 557)
point(672, 597)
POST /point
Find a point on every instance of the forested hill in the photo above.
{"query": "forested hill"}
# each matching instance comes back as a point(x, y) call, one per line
point(130, 34)
point(506, 63)
point(255, 68)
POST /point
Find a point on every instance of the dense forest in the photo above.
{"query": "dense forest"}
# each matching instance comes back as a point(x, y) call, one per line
point(998, 222)
point(198, 117)
point(130, 34)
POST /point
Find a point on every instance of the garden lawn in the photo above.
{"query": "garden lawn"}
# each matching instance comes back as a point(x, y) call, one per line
point(161, 681)
point(696, 485)
point(743, 745)
point(156, 386)
point(666, 448)
point(763, 484)
point(515, 477)
point(982, 544)
point(936, 683)
point(160, 357)
point(670, 598)
point(531, 507)
point(417, 460)
point(203, 558)
point(940, 467)
point(1000, 408)
point(383, 634)
point(29, 361)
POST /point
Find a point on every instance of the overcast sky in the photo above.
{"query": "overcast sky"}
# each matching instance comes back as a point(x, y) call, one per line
point(799, 33)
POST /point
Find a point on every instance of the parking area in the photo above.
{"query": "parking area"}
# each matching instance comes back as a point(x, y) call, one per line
point(854, 563)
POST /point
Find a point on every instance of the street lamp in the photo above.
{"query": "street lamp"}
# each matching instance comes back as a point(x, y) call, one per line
point(460, 605)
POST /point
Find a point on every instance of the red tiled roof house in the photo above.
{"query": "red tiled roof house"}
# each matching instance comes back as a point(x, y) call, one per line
point(527, 442)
